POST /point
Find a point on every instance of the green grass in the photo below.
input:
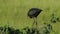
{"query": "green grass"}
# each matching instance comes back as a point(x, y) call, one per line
point(14, 12)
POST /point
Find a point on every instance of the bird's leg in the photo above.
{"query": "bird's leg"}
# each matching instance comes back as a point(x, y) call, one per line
point(33, 22)
point(36, 22)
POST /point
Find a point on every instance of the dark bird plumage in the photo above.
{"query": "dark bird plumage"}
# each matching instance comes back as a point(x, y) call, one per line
point(34, 12)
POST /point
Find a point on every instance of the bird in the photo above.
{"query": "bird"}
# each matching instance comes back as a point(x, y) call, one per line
point(33, 13)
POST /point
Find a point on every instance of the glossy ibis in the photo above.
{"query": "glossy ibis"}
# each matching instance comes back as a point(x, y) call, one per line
point(33, 13)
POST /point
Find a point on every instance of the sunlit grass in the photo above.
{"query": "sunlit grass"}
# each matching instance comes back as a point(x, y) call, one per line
point(14, 12)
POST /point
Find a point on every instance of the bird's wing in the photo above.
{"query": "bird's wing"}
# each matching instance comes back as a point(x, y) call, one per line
point(32, 12)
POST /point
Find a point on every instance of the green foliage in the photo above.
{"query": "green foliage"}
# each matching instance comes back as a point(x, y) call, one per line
point(14, 12)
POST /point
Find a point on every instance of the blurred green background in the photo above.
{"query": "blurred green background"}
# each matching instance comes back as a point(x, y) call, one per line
point(14, 12)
